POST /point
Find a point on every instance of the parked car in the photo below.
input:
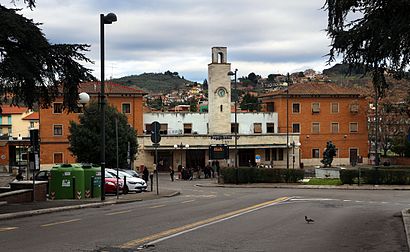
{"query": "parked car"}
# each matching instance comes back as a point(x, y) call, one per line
point(42, 175)
point(131, 172)
point(132, 184)
point(111, 183)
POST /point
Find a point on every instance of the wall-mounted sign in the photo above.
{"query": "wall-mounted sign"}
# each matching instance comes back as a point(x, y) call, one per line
point(218, 151)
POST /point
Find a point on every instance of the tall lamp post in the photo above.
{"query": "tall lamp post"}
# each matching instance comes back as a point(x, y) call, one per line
point(294, 146)
point(104, 19)
point(230, 73)
point(287, 128)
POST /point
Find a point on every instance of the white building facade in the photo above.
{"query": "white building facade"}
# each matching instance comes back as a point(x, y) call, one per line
point(186, 137)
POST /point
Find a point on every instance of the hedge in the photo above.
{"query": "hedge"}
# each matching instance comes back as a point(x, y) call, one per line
point(381, 176)
point(260, 175)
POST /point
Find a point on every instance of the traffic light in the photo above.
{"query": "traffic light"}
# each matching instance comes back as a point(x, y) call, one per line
point(155, 133)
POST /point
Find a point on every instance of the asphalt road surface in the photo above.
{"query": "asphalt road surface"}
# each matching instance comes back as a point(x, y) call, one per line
point(222, 219)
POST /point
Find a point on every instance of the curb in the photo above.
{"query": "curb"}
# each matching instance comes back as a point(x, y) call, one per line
point(9, 216)
point(406, 221)
point(343, 187)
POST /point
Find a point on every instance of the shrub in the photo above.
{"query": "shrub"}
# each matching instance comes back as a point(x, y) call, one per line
point(260, 175)
point(378, 175)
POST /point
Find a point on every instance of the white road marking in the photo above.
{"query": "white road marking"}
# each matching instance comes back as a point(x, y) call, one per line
point(121, 212)
point(60, 222)
point(187, 201)
point(3, 229)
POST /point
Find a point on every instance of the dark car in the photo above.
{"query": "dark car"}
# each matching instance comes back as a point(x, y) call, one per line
point(42, 175)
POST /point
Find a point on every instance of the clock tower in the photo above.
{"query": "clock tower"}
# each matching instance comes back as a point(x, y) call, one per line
point(219, 93)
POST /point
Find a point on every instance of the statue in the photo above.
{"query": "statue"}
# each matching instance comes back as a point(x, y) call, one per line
point(328, 154)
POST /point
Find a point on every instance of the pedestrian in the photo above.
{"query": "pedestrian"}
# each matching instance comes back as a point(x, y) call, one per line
point(19, 176)
point(145, 174)
point(171, 173)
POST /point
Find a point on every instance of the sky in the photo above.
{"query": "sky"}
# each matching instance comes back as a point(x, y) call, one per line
point(153, 36)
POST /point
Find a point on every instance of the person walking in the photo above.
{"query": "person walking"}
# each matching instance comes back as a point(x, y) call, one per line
point(145, 174)
point(171, 173)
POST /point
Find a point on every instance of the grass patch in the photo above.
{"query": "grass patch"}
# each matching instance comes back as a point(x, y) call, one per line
point(319, 181)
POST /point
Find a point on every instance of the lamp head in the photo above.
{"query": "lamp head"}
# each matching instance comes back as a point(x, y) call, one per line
point(110, 18)
point(83, 98)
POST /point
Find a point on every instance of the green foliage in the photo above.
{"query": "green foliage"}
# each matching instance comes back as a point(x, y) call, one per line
point(381, 176)
point(377, 40)
point(85, 137)
point(260, 175)
point(250, 102)
point(326, 181)
point(32, 69)
point(155, 82)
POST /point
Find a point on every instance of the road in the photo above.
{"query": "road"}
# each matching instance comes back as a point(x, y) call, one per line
point(222, 219)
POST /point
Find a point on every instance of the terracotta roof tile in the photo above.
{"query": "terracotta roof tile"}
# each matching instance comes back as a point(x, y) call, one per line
point(110, 88)
point(7, 110)
point(315, 88)
point(32, 116)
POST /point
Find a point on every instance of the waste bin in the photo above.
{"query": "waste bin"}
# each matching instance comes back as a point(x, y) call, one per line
point(67, 182)
point(92, 180)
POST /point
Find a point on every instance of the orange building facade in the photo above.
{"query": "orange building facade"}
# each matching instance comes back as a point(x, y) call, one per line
point(322, 112)
point(55, 122)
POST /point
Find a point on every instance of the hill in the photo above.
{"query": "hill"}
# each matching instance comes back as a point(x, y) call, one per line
point(155, 82)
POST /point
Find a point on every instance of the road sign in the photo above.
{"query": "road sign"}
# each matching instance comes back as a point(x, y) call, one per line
point(219, 151)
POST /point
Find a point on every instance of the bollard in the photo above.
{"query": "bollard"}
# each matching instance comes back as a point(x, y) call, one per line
point(125, 191)
point(92, 187)
point(151, 177)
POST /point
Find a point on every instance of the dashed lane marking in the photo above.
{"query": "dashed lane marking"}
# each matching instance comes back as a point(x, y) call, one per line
point(4, 229)
point(157, 206)
point(121, 212)
point(187, 201)
point(60, 222)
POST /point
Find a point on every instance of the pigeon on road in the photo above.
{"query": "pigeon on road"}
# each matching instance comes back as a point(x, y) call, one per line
point(308, 220)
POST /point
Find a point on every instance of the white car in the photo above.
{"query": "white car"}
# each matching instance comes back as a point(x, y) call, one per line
point(132, 184)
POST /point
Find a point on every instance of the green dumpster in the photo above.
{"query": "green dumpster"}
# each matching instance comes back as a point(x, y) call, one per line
point(92, 180)
point(67, 182)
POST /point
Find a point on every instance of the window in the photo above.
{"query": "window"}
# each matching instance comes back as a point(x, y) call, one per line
point(271, 107)
point(148, 129)
point(126, 108)
point(315, 127)
point(280, 154)
point(9, 120)
point(222, 108)
point(233, 128)
point(58, 157)
point(335, 108)
point(354, 108)
point(315, 107)
point(270, 128)
point(31, 125)
point(1, 119)
point(187, 128)
point(163, 130)
point(267, 154)
point(315, 153)
point(257, 128)
point(57, 130)
point(295, 127)
point(295, 107)
point(57, 107)
point(353, 127)
point(9, 130)
point(335, 128)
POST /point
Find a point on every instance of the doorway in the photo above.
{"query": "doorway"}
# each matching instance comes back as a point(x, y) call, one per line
point(246, 157)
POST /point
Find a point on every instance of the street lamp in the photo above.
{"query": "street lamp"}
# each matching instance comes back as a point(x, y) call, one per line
point(287, 128)
point(294, 145)
point(104, 19)
point(230, 73)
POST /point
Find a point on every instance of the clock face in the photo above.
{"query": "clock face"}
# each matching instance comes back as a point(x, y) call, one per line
point(221, 92)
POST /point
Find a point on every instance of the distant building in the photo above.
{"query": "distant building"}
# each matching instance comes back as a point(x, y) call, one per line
point(15, 125)
point(186, 137)
point(54, 127)
point(322, 112)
